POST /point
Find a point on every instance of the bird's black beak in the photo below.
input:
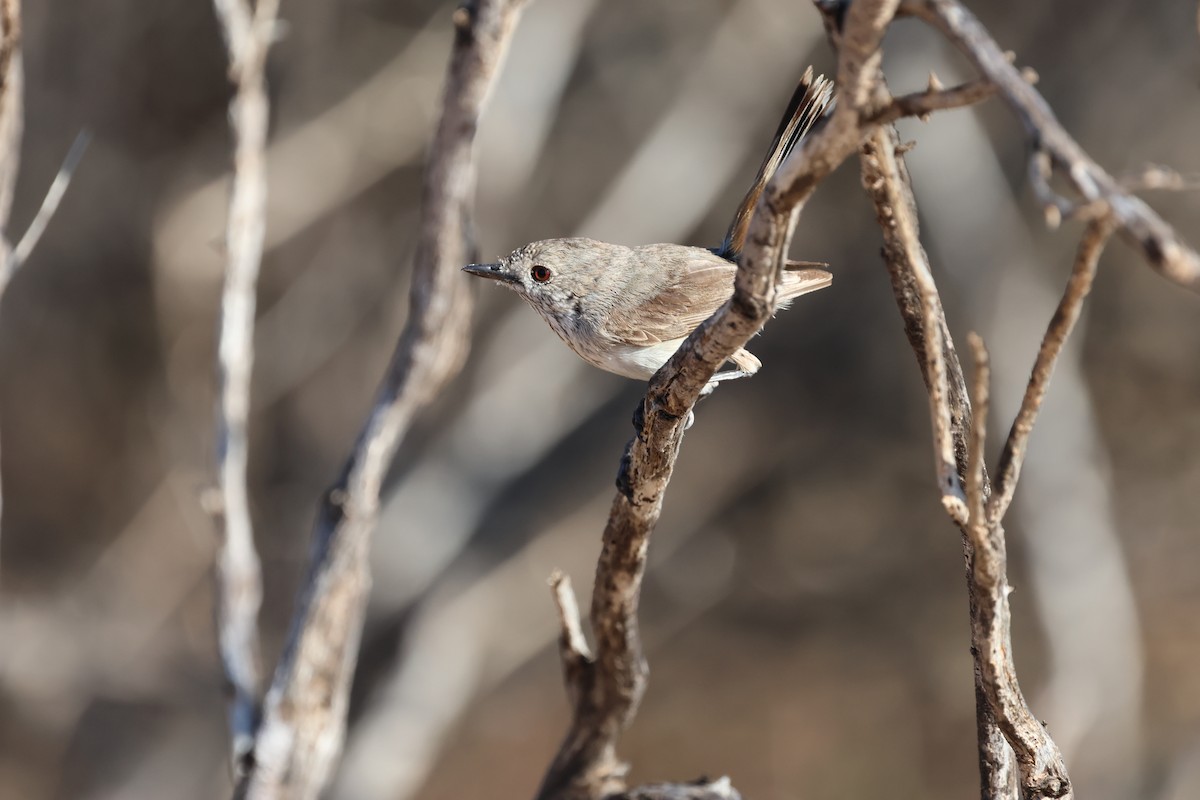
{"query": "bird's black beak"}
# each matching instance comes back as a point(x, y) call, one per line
point(494, 271)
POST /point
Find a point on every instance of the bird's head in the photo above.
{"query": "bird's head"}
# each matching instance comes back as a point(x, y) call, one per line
point(559, 276)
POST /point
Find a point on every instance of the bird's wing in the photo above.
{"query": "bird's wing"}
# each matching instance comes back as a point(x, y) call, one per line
point(691, 297)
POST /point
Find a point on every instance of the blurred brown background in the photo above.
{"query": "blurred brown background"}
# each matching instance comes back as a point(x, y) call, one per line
point(805, 611)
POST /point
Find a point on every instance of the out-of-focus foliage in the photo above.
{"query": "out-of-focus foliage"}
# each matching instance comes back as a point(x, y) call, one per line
point(805, 610)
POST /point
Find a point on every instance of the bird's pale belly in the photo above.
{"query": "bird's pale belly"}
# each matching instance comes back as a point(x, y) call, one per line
point(598, 350)
point(633, 362)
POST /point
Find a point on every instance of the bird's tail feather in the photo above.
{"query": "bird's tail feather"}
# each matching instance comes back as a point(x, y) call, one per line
point(796, 282)
point(811, 100)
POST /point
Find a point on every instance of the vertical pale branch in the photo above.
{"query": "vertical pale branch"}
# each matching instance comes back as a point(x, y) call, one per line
point(11, 123)
point(248, 34)
point(303, 725)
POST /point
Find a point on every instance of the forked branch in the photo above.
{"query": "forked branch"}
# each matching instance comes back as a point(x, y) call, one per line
point(607, 691)
point(1042, 772)
point(300, 738)
point(886, 181)
point(1054, 151)
point(1065, 316)
point(1108, 207)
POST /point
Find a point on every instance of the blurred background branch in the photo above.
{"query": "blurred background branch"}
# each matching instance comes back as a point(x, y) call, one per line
point(300, 739)
point(11, 124)
point(248, 32)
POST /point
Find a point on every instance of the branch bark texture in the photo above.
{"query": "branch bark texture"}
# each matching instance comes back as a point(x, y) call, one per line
point(1017, 756)
point(303, 724)
point(1054, 150)
point(1001, 705)
point(886, 181)
point(607, 688)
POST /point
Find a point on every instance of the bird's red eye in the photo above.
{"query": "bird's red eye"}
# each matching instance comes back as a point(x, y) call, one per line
point(540, 274)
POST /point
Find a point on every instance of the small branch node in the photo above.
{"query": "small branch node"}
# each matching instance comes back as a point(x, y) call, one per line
point(573, 642)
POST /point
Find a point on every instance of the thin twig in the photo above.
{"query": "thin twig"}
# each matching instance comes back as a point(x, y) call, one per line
point(248, 35)
point(54, 196)
point(586, 765)
point(935, 98)
point(976, 476)
point(1053, 149)
point(12, 115)
point(573, 648)
point(896, 212)
point(304, 713)
point(1061, 324)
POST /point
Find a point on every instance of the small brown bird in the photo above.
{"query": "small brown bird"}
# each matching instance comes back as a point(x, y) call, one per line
point(627, 309)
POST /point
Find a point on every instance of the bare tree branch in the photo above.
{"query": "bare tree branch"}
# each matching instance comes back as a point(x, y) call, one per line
point(896, 209)
point(976, 475)
point(11, 124)
point(1065, 316)
point(885, 178)
point(304, 712)
point(572, 646)
point(54, 195)
point(1053, 150)
point(607, 698)
point(999, 699)
point(935, 98)
point(606, 690)
point(1041, 767)
point(248, 34)
point(1043, 772)
point(12, 80)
